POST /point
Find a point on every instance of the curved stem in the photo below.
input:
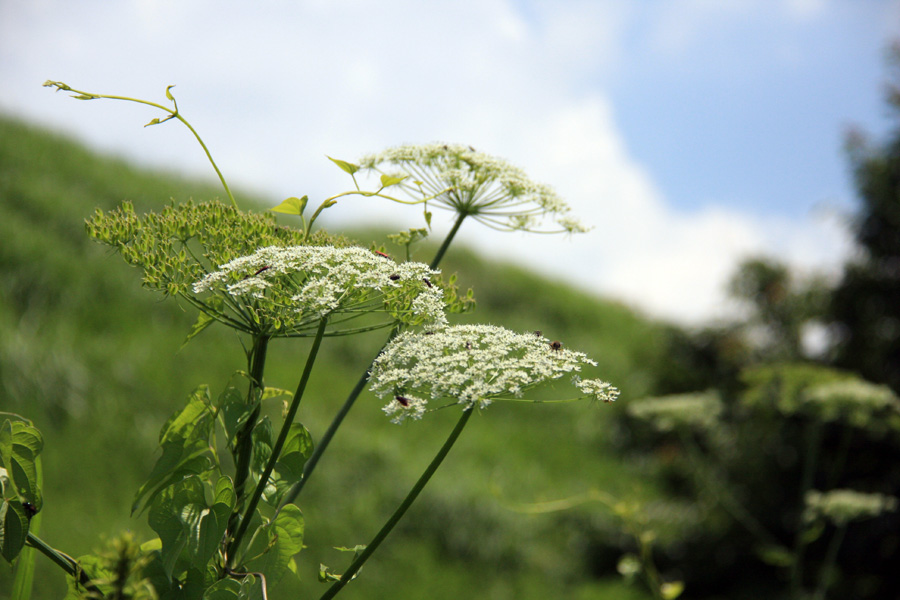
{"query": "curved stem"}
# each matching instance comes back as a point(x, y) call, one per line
point(401, 510)
point(172, 112)
point(211, 161)
point(279, 443)
point(66, 562)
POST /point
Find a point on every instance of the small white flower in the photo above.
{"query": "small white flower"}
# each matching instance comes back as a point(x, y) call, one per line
point(481, 186)
point(292, 288)
point(597, 389)
point(472, 364)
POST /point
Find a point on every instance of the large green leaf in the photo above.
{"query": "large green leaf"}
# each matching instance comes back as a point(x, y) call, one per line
point(175, 516)
point(185, 442)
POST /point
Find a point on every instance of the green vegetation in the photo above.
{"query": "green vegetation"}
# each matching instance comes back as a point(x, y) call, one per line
point(94, 361)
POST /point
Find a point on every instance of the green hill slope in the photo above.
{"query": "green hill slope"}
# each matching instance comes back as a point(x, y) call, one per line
point(94, 361)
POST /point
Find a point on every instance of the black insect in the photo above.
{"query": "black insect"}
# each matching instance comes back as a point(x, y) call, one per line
point(265, 268)
point(394, 277)
point(402, 401)
point(554, 345)
point(428, 283)
point(30, 509)
point(539, 333)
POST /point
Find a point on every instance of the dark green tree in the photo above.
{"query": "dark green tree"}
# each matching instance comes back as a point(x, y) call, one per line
point(865, 307)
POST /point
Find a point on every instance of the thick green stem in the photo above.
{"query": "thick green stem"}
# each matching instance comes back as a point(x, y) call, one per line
point(401, 510)
point(313, 460)
point(279, 443)
point(448, 240)
point(243, 450)
point(66, 562)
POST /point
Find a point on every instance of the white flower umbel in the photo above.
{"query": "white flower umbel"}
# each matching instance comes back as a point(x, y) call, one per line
point(473, 364)
point(667, 413)
point(842, 505)
point(475, 184)
point(289, 289)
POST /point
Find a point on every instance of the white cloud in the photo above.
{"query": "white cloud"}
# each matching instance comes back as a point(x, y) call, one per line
point(273, 91)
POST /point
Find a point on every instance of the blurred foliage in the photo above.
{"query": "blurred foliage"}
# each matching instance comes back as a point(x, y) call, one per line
point(865, 307)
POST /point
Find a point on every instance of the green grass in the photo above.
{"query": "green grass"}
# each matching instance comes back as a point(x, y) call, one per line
point(94, 361)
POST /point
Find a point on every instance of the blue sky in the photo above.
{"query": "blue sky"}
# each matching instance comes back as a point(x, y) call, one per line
point(690, 134)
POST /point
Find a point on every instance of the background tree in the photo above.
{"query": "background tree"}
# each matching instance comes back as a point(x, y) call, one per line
point(865, 307)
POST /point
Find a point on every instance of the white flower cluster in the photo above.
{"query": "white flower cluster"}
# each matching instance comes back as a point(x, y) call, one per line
point(316, 281)
point(668, 413)
point(484, 187)
point(857, 402)
point(472, 364)
point(596, 389)
point(842, 506)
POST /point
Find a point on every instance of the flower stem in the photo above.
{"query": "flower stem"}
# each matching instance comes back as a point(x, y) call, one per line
point(173, 114)
point(401, 510)
point(448, 240)
point(313, 460)
point(279, 443)
point(66, 562)
point(244, 438)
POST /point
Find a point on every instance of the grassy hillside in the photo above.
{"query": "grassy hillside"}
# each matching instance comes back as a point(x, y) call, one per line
point(94, 361)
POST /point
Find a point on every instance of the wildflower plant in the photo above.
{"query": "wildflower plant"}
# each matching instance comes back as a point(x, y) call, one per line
point(826, 410)
point(474, 184)
point(228, 529)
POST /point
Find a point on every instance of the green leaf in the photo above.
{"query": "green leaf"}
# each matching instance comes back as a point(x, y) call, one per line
point(233, 412)
point(428, 218)
point(175, 515)
point(185, 444)
point(224, 589)
point(344, 165)
point(291, 206)
point(13, 529)
point(154, 121)
point(194, 421)
point(297, 448)
point(169, 94)
point(20, 445)
point(285, 539)
point(389, 180)
point(204, 320)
